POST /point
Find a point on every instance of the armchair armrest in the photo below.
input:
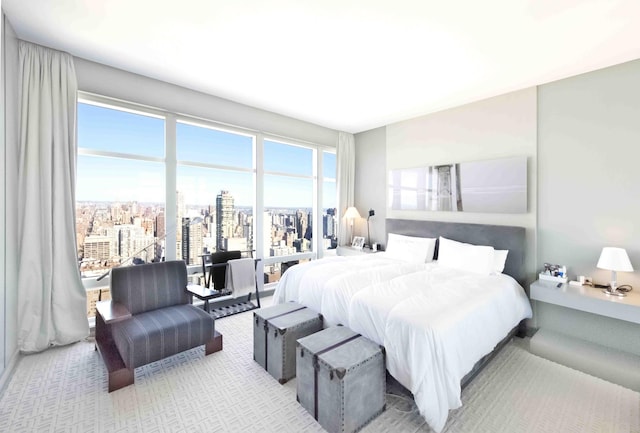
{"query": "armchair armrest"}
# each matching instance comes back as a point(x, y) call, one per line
point(111, 311)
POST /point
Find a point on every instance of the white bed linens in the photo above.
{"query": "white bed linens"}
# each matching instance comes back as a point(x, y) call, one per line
point(327, 285)
point(435, 325)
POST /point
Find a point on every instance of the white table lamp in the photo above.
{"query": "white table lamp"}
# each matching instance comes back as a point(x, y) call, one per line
point(614, 260)
point(350, 215)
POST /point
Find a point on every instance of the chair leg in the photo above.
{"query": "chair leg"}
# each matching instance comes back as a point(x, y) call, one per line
point(214, 345)
point(121, 378)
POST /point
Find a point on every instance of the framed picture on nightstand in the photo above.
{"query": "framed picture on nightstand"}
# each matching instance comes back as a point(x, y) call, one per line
point(358, 242)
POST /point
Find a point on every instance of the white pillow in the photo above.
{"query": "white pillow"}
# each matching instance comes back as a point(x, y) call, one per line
point(410, 248)
point(478, 259)
point(499, 259)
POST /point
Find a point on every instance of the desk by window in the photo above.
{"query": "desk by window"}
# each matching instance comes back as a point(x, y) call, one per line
point(205, 294)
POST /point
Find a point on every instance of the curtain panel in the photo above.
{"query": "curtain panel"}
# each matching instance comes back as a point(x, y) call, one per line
point(346, 167)
point(52, 301)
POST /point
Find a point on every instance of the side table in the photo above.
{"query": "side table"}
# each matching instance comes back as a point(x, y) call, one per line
point(205, 294)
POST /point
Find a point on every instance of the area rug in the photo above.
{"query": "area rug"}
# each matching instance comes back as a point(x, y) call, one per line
point(65, 389)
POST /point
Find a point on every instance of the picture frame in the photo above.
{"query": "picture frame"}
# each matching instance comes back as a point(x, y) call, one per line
point(358, 242)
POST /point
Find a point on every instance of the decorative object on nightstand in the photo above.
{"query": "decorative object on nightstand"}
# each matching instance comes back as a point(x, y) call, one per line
point(350, 215)
point(554, 273)
point(614, 260)
point(358, 242)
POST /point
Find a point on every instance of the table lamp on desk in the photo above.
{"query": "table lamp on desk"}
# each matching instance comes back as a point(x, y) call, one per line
point(614, 260)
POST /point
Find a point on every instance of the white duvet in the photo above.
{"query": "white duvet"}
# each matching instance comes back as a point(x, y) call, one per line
point(434, 322)
point(327, 285)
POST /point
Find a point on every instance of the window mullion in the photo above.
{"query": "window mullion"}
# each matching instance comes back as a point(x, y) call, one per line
point(171, 217)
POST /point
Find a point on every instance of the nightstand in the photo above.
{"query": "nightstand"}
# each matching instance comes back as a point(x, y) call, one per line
point(584, 329)
point(588, 299)
point(350, 251)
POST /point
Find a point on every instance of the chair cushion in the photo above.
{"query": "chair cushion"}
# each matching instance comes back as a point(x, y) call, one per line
point(150, 336)
point(148, 287)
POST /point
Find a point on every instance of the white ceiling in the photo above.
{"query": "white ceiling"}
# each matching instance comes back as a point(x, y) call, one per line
point(350, 65)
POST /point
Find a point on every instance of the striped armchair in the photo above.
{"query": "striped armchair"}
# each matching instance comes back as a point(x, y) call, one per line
point(149, 318)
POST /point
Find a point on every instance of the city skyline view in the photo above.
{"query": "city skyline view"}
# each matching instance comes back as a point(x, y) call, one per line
point(109, 232)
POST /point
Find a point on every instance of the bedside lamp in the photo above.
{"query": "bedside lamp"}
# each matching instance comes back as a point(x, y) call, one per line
point(614, 260)
point(350, 215)
point(371, 213)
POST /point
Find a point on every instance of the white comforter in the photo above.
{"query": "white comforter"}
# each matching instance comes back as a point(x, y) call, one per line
point(327, 285)
point(435, 325)
point(434, 322)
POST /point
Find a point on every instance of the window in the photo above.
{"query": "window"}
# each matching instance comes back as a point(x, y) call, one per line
point(329, 198)
point(154, 185)
point(288, 198)
point(119, 189)
point(215, 181)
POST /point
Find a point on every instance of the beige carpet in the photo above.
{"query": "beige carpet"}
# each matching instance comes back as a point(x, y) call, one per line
point(65, 390)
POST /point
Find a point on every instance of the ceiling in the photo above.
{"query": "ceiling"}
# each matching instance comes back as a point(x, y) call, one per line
point(349, 65)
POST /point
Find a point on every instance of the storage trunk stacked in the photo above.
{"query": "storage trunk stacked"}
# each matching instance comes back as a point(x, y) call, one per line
point(340, 378)
point(275, 332)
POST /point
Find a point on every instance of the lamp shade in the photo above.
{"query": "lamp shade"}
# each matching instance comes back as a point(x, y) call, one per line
point(352, 213)
point(614, 259)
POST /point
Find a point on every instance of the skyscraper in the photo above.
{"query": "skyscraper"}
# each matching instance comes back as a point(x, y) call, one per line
point(192, 246)
point(224, 218)
point(180, 212)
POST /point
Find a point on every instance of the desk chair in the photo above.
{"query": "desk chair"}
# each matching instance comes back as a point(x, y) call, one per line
point(218, 274)
point(228, 305)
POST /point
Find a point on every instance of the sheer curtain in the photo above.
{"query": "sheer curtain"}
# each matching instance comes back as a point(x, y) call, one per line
point(51, 299)
point(346, 177)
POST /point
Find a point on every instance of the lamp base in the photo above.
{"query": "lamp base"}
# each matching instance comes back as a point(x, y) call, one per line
point(617, 293)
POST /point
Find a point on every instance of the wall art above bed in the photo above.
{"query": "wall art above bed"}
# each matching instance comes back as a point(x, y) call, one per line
point(490, 186)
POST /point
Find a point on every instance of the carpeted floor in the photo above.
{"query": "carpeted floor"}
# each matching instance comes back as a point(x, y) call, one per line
point(65, 390)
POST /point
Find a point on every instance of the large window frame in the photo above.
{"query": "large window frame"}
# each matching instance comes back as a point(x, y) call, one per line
point(171, 164)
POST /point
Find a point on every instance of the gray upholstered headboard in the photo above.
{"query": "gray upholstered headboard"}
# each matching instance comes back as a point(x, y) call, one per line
point(500, 237)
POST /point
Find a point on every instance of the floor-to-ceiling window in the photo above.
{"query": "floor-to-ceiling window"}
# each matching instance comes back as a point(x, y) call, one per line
point(119, 189)
point(154, 185)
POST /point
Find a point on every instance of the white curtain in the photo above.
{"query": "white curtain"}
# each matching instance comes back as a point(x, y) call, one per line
point(346, 178)
point(51, 299)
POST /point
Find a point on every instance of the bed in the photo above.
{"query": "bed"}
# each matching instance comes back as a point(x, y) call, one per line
point(438, 323)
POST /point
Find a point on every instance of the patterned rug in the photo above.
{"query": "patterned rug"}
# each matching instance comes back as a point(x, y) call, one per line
point(65, 389)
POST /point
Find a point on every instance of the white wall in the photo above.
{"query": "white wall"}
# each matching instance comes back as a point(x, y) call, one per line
point(371, 179)
point(116, 83)
point(589, 183)
point(498, 127)
point(9, 282)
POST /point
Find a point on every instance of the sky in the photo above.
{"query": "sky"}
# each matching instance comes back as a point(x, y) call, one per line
point(117, 179)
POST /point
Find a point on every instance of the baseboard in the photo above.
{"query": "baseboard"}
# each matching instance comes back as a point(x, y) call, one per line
point(8, 371)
